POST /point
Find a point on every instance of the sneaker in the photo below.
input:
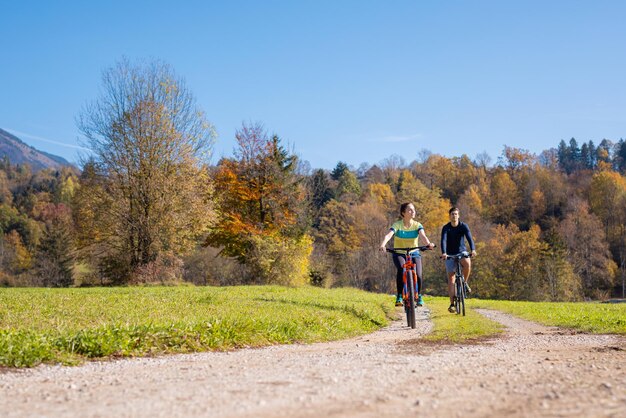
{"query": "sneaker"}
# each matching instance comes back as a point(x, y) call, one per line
point(467, 288)
point(399, 300)
point(451, 308)
point(420, 301)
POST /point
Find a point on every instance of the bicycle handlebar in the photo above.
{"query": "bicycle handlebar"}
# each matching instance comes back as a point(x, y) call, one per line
point(409, 249)
point(459, 256)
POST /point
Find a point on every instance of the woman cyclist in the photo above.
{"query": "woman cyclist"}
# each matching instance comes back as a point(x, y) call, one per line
point(406, 233)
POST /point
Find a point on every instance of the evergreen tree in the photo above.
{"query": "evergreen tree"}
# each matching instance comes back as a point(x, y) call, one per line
point(563, 155)
point(339, 170)
point(54, 254)
point(320, 192)
point(621, 156)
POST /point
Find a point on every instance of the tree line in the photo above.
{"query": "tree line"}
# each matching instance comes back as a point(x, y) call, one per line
point(148, 206)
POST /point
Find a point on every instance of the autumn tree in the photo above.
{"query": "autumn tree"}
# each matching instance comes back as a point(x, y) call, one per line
point(439, 172)
point(391, 167)
point(336, 231)
point(381, 195)
point(367, 268)
point(147, 188)
point(557, 273)
point(431, 209)
point(515, 159)
point(590, 255)
point(374, 175)
point(510, 270)
point(14, 255)
point(504, 198)
point(6, 196)
point(471, 203)
point(607, 199)
point(260, 200)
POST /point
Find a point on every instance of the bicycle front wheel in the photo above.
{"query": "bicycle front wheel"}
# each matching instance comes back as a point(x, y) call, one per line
point(410, 303)
point(458, 290)
point(462, 301)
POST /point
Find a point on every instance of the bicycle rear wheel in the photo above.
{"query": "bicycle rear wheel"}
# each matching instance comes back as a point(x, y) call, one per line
point(410, 303)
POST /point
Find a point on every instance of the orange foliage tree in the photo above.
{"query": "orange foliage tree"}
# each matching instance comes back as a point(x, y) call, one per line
point(259, 195)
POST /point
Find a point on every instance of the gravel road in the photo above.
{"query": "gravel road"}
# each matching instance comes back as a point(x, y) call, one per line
point(530, 371)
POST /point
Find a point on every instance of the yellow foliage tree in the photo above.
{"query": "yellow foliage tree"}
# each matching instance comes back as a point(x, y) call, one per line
point(431, 209)
point(504, 198)
point(607, 198)
point(16, 255)
point(382, 195)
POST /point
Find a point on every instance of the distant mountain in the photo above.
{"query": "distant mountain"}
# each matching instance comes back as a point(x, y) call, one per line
point(22, 153)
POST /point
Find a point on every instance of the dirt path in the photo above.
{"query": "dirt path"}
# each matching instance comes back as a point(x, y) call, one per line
point(531, 371)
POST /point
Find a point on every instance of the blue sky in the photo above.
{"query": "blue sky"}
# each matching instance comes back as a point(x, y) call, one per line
point(352, 81)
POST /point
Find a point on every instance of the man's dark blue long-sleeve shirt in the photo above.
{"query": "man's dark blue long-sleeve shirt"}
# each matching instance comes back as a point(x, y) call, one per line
point(452, 241)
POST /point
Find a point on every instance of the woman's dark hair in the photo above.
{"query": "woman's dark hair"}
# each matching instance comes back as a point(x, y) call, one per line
point(403, 208)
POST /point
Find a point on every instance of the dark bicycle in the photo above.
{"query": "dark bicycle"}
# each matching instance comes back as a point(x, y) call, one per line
point(409, 275)
point(459, 282)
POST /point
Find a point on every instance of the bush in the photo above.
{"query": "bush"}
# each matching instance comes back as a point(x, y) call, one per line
point(206, 266)
point(280, 260)
point(166, 269)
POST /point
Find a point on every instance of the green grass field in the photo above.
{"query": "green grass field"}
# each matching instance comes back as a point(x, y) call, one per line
point(592, 317)
point(70, 325)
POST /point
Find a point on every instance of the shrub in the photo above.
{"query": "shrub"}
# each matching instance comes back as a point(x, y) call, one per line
point(165, 269)
point(280, 260)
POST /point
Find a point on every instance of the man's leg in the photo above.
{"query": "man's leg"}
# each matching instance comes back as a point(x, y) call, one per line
point(451, 287)
point(466, 266)
point(450, 272)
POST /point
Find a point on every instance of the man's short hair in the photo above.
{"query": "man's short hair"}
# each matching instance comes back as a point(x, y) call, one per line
point(452, 209)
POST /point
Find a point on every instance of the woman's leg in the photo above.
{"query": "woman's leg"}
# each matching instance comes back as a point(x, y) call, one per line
point(398, 261)
point(418, 269)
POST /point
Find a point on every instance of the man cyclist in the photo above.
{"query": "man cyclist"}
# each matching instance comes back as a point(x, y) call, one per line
point(406, 233)
point(453, 235)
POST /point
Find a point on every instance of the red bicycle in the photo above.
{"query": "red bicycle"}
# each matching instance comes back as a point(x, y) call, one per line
point(409, 275)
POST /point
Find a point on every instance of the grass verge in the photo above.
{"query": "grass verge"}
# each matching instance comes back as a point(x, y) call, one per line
point(592, 317)
point(452, 328)
point(70, 325)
